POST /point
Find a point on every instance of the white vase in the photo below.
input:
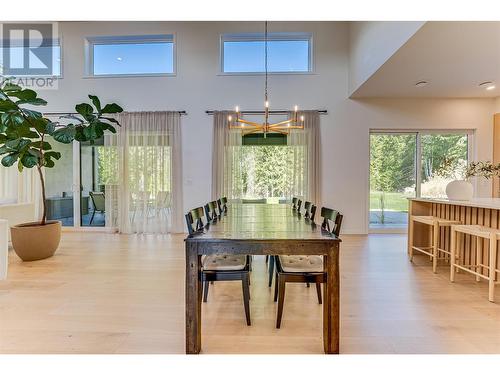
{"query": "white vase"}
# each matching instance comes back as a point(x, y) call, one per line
point(459, 190)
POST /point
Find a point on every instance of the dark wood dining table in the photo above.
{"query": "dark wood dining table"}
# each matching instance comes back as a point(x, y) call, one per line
point(263, 229)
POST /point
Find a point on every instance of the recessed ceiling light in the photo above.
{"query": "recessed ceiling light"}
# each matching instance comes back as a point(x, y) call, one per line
point(119, 58)
point(421, 83)
point(488, 85)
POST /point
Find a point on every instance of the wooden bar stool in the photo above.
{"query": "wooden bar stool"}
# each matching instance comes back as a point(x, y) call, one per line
point(481, 233)
point(433, 250)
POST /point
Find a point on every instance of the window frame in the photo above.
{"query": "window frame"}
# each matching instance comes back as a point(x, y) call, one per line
point(91, 41)
point(278, 36)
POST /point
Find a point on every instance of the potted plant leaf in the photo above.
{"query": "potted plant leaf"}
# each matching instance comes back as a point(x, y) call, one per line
point(25, 141)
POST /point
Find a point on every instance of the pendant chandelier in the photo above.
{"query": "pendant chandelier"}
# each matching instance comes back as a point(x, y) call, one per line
point(249, 127)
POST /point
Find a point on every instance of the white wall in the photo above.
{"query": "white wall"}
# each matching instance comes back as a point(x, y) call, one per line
point(198, 87)
point(372, 43)
point(497, 105)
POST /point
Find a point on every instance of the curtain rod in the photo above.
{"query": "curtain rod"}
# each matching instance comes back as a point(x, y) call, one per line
point(277, 112)
point(182, 113)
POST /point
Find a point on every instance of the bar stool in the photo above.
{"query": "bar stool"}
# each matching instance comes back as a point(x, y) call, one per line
point(432, 251)
point(481, 233)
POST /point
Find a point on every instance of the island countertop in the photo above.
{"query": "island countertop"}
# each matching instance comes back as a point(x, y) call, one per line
point(491, 203)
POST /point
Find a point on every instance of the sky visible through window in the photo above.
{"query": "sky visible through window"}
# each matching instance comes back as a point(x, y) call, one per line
point(283, 56)
point(133, 58)
point(16, 56)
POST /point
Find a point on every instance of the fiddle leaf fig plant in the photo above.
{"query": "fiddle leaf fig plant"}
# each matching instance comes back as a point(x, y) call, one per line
point(24, 132)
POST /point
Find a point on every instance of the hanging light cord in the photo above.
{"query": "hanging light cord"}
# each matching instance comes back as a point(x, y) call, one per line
point(265, 56)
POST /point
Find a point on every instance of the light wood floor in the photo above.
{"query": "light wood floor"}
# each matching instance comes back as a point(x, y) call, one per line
point(105, 293)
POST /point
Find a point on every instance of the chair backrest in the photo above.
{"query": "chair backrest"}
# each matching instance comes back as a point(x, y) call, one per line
point(313, 212)
point(194, 220)
point(222, 203)
point(333, 216)
point(299, 203)
point(307, 209)
point(211, 211)
point(294, 203)
point(310, 210)
point(98, 199)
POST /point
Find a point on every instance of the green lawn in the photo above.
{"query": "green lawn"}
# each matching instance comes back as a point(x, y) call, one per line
point(393, 201)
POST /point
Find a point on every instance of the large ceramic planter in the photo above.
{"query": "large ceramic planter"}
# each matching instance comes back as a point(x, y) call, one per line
point(459, 190)
point(32, 241)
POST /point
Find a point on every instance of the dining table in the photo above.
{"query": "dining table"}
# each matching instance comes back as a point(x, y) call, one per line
point(262, 229)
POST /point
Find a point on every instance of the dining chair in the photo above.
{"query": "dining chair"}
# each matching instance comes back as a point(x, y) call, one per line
point(299, 203)
point(310, 213)
point(270, 258)
point(99, 203)
point(211, 211)
point(220, 267)
point(310, 210)
point(304, 268)
point(222, 203)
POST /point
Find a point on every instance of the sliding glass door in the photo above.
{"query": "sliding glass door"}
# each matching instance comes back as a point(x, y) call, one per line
point(392, 177)
point(60, 186)
point(92, 192)
point(444, 159)
point(412, 164)
point(76, 188)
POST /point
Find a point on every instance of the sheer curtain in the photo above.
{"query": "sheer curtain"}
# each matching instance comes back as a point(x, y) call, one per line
point(8, 185)
point(306, 179)
point(226, 149)
point(143, 184)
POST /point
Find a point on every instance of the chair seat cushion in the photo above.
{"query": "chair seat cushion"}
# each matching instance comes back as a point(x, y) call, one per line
point(301, 263)
point(221, 262)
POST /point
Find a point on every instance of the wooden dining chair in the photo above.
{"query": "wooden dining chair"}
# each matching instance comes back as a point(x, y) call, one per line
point(294, 203)
point(222, 204)
point(299, 203)
point(310, 210)
point(304, 268)
point(271, 259)
point(211, 211)
point(220, 267)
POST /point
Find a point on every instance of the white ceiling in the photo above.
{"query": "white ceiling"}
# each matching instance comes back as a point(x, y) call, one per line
point(454, 57)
